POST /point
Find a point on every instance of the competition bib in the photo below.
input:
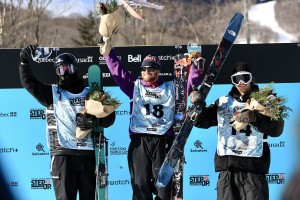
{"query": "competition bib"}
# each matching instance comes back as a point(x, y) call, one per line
point(65, 107)
point(153, 108)
point(246, 143)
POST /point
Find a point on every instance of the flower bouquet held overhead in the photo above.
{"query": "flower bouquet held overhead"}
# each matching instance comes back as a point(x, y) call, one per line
point(113, 16)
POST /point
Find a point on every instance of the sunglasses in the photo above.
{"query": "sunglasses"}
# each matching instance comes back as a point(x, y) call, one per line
point(241, 77)
point(150, 69)
point(70, 68)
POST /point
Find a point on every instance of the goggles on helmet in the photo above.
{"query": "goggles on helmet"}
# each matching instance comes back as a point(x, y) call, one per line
point(61, 69)
point(241, 77)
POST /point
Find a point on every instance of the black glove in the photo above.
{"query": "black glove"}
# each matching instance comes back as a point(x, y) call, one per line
point(26, 51)
point(246, 116)
point(195, 96)
point(86, 121)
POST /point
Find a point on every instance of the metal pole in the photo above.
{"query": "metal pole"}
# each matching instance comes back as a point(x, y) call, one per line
point(247, 22)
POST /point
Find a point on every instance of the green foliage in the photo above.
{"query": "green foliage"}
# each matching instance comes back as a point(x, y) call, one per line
point(87, 28)
point(111, 6)
point(275, 104)
point(102, 96)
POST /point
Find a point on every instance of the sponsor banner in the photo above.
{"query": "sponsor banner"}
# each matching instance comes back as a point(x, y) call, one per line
point(41, 184)
point(25, 156)
point(276, 178)
point(199, 180)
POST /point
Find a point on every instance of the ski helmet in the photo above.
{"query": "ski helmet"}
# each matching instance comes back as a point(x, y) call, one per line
point(65, 59)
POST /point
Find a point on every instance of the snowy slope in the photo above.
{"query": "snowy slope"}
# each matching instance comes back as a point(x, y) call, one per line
point(264, 15)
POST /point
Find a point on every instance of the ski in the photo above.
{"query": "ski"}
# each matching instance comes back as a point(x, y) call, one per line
point(176, 150)
point(100, 142)
point(180, 81)
point(182, 64)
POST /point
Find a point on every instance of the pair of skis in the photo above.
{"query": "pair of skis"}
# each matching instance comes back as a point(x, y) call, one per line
point(182, 64)
point(170, 166)
point(100, 142)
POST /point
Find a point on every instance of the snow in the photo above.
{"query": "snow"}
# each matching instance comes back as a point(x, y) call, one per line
point(264, 15)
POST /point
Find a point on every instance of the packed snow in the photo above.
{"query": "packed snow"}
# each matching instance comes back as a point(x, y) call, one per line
point(264, 15)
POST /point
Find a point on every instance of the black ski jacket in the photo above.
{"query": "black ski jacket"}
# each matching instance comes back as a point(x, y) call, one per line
point(264, 124)
point(43, 94)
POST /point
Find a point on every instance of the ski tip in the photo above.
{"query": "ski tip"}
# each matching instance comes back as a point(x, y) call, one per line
point(237, 17)
point(94, 67)
point(234, 27)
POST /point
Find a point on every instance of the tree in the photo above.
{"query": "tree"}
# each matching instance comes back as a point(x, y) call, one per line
point(87, 28)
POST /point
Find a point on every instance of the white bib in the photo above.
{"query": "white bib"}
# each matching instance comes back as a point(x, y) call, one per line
point(153, 108)
point(65, 110)
point(246, 143)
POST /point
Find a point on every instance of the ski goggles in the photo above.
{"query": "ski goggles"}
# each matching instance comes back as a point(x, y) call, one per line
point(241, 77)
point(150, 69)
point(70, 68)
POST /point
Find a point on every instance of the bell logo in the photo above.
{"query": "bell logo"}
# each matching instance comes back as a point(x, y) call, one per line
point(138, 58)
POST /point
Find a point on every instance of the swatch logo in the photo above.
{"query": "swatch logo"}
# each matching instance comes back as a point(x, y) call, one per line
point(8, 150)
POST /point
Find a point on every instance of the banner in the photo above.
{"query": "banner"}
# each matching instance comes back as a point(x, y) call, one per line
point(25, 157)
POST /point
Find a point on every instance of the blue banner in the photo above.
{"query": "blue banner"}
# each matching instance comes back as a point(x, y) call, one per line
point(25, 157)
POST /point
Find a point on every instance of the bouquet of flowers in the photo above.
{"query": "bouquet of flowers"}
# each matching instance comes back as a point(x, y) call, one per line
point(267, 103)
point(100, 104)
point(112, 17)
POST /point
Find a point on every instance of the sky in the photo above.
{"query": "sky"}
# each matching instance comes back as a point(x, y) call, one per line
point(66, 8)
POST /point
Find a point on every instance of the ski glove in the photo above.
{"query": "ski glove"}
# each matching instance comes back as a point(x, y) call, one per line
point(86, 121)
point(26, 51)
point(246, 116)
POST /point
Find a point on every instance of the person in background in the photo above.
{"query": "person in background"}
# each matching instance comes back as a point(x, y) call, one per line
point(242, 157)
point(72, 160)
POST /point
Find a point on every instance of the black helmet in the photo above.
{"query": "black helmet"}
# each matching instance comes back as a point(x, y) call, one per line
point(65, 58)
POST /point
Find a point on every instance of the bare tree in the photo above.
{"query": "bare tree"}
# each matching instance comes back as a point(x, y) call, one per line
point(9, 21)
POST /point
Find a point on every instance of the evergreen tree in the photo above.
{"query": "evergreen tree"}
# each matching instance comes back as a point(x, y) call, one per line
point(87, 28)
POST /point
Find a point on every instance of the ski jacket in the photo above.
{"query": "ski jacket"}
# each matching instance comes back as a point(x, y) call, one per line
point(255, 158)
point(126, 81)
point(43, 93)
